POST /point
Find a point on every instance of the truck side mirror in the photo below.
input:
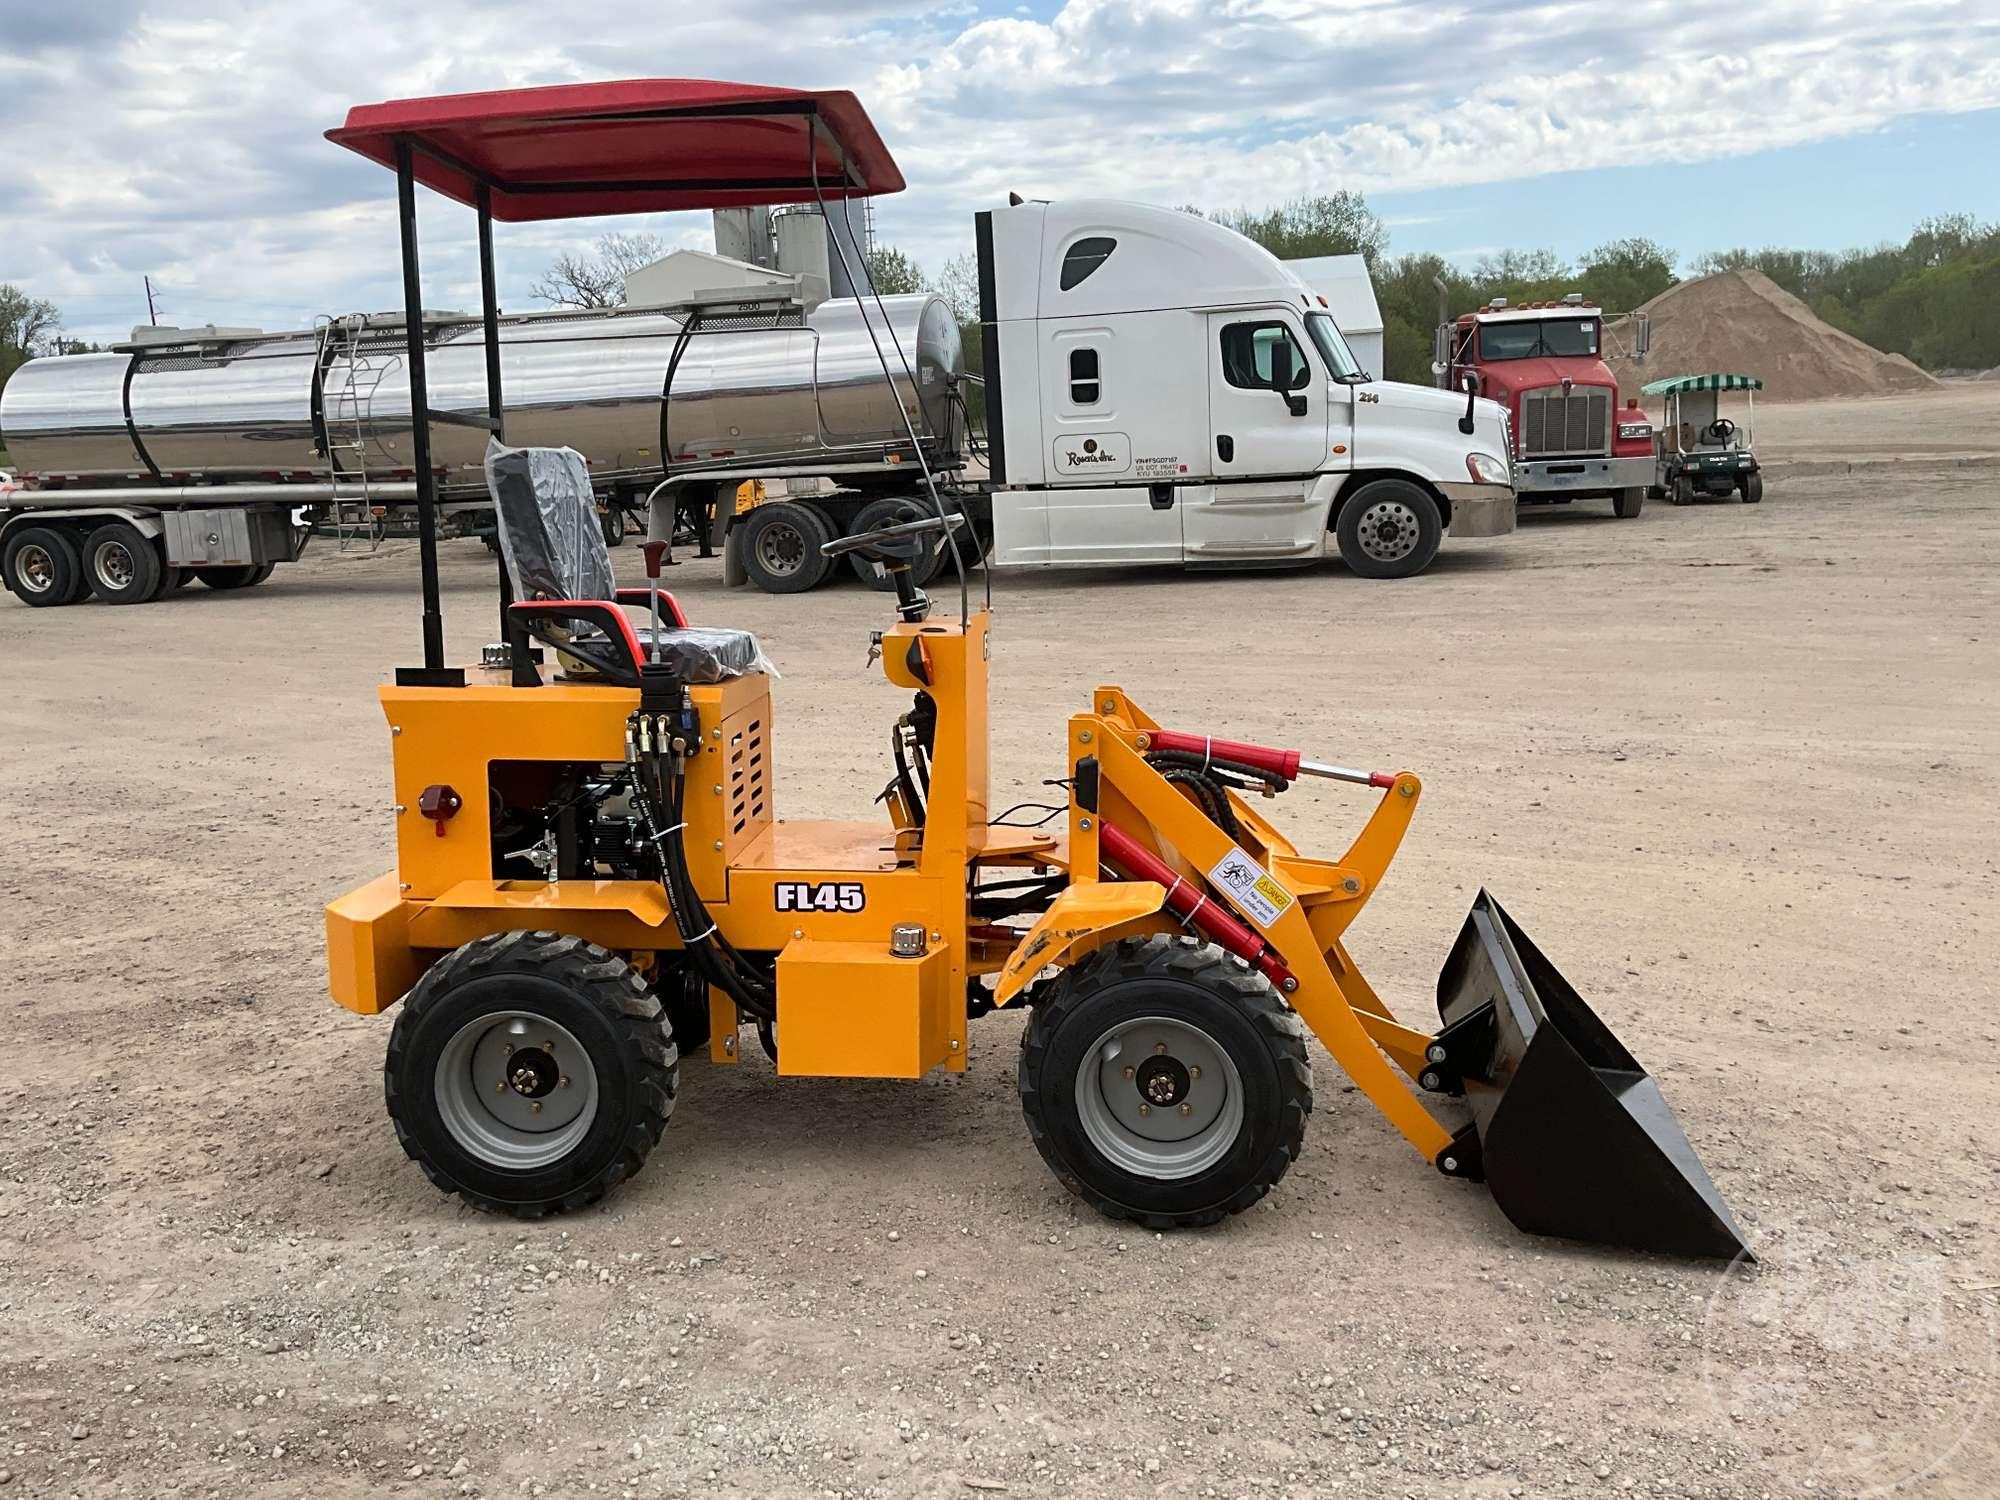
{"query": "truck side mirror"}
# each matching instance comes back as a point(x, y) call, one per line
point(1281, 365)
point(1470, 380)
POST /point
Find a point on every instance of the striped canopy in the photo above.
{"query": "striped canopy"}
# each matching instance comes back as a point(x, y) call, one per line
point(1673, 385)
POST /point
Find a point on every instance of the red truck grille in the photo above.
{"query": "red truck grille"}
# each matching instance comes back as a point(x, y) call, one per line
point(1557, 426)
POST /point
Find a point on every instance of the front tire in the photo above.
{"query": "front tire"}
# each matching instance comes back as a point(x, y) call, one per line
point(529, 1073)
point(1389, 528)
point(779, 544)
point(42, 567)
point(1627, 503)
point(1753, 489)
point(1165, 1083)
point(123, 564)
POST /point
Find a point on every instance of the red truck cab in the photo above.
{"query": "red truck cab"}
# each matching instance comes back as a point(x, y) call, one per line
point(1571, 436)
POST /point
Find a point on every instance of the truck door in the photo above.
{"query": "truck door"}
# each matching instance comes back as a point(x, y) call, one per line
point(1100, 510)
point(1266, 446)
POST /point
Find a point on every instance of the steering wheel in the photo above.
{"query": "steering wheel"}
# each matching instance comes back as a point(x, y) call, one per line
point(901, 543)
point(1721, 430)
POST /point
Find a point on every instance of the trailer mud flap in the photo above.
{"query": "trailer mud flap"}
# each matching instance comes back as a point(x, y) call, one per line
point(1568, 1130)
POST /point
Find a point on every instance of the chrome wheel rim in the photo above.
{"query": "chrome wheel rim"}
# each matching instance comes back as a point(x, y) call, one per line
point(35, 569)
point(1159, 1097)
point(781, 548)
point(1388, 531)
point(112, 562)
point(516, 1090)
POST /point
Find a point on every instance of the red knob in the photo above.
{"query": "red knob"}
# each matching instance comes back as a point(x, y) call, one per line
point(654, 552)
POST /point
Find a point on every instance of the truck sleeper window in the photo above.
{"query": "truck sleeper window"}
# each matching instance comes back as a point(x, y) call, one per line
point(1085, 256)
point(1083, 383)
point(1246, 355)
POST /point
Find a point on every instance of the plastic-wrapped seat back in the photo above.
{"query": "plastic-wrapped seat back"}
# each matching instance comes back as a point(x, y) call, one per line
point(547, 518)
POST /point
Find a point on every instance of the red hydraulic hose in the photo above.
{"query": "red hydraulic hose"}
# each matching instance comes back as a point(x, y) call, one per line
point(1187, 900)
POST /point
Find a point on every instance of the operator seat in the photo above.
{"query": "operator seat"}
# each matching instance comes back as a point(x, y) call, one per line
point(546, 515)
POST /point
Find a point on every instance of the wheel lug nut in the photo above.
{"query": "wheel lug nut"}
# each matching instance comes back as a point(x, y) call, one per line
point(500, 1087)
point(1159, 1049)
point(1129, 1072)
point(508, 1049)
point(535, 1105)
point(562, 1083)
point(1194, 1072)
point(1187, 1109)
point(1145, 1109)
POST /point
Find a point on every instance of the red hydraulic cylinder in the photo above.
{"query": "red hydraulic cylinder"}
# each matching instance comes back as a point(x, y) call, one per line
point(1186, 899)
point(1286, 763)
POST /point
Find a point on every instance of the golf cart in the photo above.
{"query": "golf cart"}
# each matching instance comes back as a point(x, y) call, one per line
point(1697, 450)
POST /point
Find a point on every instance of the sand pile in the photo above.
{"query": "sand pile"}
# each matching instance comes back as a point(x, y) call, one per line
point(1742, 321)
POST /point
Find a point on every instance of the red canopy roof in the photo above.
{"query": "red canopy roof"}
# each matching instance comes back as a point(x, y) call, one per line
point(645, 145)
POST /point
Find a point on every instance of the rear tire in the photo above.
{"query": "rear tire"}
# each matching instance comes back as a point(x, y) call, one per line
point(41, 565)
point(779, 543)
point(1627, 503)
point(515, 1021)
point(122, 564)
point(1752, 489)
point(247, 576)
point(1215, 1112)
point(890, 511)
point(1389, 528)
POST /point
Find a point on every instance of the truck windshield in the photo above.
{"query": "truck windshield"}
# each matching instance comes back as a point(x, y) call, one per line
point(1339, 358)
point(1544, 338)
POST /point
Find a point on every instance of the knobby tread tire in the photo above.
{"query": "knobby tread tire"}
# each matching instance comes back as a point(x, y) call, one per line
point(1276, 1138)
point(599, 981)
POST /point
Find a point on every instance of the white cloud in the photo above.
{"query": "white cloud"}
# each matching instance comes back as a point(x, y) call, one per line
point(183, 138)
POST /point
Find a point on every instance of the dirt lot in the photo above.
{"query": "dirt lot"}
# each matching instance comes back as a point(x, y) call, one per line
point(1737, 769)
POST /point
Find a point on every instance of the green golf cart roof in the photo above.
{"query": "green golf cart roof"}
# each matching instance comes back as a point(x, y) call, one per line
point(1673, 385)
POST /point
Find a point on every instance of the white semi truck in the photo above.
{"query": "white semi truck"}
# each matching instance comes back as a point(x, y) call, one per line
point(1160, 389)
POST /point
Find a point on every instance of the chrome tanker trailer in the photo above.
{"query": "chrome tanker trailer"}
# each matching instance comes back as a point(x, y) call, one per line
point(207, 454)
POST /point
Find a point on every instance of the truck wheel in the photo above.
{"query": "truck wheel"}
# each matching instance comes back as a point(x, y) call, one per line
point(892, 511)
point(41, 566)
point(1389, 528)
point(246, 576)
point(1753, 489)
point(122, 564)
point(1627, 503)
point(1165, 1083)
point(529, 1073)
point(780, 547)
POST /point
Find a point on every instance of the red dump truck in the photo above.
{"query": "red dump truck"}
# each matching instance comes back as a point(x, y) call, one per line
point(1572, 436)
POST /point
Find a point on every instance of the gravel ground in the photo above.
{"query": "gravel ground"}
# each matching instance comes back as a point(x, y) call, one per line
point(1738, 770)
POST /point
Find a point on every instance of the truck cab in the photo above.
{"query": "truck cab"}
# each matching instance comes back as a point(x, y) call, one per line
point(1160, 389)
point(1573, 438)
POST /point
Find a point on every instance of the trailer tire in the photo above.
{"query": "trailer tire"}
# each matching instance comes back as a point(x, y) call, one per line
point(248, 575)
point(1753, 489)
point(1627, 503)
point(779, 544)
point(123, 564)
point(892, 510)
point(1389, 528)
point(1247, 1124)
point(42, 567)
point(610, 1046)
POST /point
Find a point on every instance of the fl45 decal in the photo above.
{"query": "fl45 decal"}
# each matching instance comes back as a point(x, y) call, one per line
point(820, 895)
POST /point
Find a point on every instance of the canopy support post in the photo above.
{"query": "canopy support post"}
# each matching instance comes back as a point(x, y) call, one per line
point(520, 654)
point(433, 673)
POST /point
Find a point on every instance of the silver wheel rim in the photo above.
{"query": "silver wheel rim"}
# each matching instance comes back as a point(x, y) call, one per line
point(1388, 531)
point(1159, 1098)
point(35, 569)
point(781, 548)
point(516, 1090)
point(112, 562)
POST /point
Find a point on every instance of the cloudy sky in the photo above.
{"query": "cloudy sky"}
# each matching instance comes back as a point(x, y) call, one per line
point(183, 139)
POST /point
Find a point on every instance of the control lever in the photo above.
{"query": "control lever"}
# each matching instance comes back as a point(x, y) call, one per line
point(654, 551)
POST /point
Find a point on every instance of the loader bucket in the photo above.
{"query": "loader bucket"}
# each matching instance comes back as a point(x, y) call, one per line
point(1573, 1137)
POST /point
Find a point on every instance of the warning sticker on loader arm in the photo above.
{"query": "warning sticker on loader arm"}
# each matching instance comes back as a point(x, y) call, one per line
point(1262, 899)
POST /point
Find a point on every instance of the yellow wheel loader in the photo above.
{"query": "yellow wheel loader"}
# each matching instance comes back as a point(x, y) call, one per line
point(593, 880)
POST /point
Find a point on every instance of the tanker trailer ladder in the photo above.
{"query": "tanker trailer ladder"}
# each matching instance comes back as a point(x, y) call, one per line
point(356, 520)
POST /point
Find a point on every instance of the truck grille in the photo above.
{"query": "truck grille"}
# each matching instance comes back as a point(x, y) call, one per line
point(1555, 425)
